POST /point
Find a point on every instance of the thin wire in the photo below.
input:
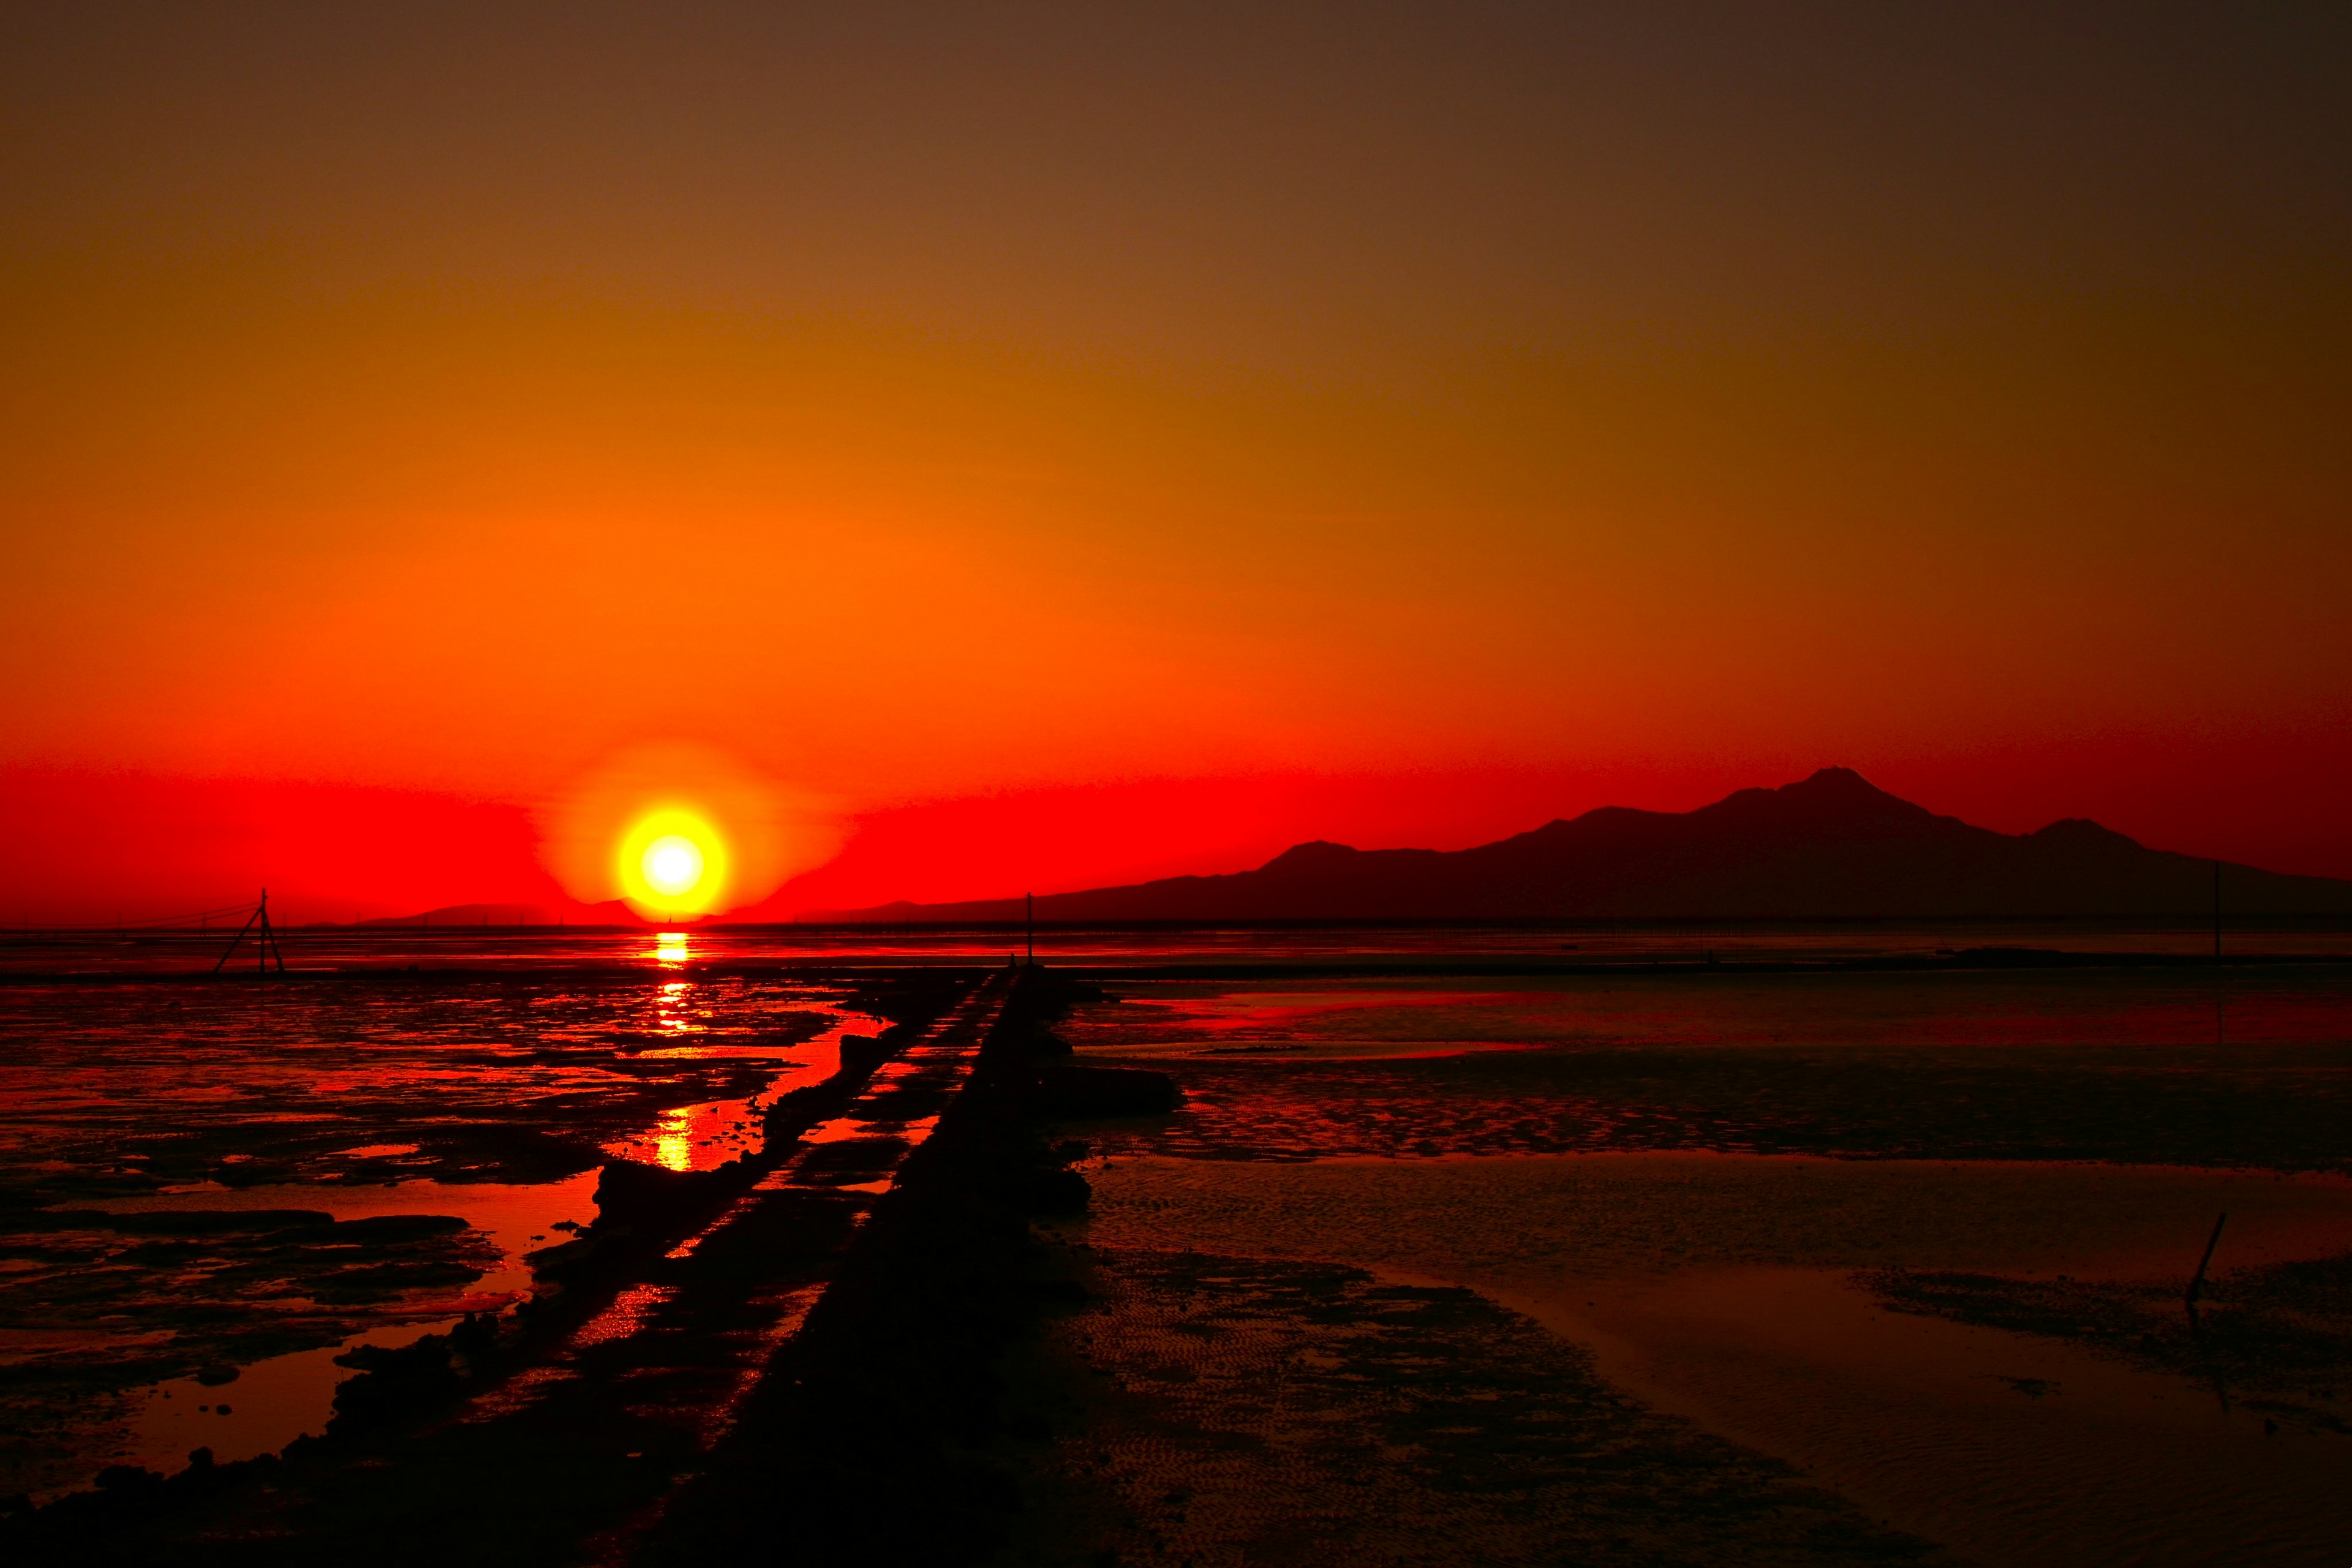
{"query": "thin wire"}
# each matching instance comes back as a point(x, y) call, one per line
point(164, 923)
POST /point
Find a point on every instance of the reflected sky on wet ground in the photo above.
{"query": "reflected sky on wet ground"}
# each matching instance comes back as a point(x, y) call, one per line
point(1896, 1011)
point(2250, 1067)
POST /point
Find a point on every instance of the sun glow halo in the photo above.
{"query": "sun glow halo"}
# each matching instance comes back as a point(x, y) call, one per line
point(672, 862)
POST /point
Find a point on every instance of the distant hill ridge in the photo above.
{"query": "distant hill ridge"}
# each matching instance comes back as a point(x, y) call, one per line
point(1832, 845)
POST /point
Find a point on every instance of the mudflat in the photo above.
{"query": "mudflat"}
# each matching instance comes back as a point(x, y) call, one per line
point(1708, 1263)
point(1916, 1244)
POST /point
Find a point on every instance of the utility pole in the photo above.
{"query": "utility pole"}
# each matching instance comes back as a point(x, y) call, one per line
point(265, 941)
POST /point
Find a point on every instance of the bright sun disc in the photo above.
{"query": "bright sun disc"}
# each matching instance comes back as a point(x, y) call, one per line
point(673, 864)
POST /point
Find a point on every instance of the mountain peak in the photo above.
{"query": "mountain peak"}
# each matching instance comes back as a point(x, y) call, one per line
point(2082, 831)
point(1827, 800)
point(1315, 852)
point(1832, 779)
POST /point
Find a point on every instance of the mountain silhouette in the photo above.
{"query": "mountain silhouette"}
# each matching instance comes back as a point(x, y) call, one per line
point(1829, 847)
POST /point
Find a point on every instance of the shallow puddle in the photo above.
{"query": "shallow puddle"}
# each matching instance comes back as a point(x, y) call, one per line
point(269, 1404)
point(516, 1216)
point(272, 1402)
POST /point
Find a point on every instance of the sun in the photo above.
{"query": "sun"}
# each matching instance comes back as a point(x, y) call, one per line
point(672, 863)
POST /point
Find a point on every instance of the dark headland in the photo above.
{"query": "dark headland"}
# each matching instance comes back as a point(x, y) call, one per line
point(1830, 847)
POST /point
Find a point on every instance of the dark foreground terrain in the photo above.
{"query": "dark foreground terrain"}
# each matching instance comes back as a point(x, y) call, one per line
point(1236, 1410)
point(1339, 1304)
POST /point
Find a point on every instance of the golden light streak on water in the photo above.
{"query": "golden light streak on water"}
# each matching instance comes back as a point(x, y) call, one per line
point(673, 1140)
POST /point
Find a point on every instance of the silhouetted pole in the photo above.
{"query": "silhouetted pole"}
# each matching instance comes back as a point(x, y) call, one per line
point(265, 941)
point(267, 945)
point(2198, 1284)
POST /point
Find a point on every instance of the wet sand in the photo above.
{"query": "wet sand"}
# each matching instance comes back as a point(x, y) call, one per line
point(1244, 1410)
point(1723, 1288)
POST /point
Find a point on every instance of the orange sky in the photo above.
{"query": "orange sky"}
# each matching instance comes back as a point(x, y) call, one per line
point(1059, 444)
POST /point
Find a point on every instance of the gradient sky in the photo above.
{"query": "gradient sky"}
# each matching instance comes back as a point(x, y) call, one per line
point(1060, 443)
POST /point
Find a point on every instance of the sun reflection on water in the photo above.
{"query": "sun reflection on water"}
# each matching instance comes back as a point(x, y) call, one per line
point(669, 1012)
point(674, 1139)
point(669, 949)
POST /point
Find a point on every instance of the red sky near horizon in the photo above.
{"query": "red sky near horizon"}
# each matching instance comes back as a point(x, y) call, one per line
point(1059, 445)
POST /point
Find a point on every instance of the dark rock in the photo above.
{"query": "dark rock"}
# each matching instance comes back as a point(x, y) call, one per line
point(1083, 1091)
point(394, 1384)
point(1056, 1193)
point(390, 1228)
point(628, 1192)
point(862, 1053)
